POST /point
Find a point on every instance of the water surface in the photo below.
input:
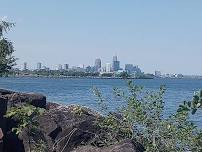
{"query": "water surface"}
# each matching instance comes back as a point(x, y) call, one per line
point(79, 91)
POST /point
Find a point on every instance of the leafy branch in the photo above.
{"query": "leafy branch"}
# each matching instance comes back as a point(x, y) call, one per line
point(142, 120)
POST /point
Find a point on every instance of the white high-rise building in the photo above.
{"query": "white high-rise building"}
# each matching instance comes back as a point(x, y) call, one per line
point(39, 65)
point(108, 67)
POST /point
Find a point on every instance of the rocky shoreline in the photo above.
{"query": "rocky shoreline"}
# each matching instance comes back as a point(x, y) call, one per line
point(60, 126)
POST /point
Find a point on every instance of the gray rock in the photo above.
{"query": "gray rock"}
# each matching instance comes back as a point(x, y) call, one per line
point(61, 128)
point(3, 109)
point(37, 100)
point(51, 105)
point(4, 92)
point(67, 128)
point(7, 100)
point(124, 146)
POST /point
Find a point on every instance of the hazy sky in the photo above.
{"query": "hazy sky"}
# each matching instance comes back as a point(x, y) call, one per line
point(161, 35)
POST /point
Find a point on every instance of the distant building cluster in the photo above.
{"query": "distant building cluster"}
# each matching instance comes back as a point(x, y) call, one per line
point(98, 67)
point(130, 68)
point(108, 68)
point(158, 74)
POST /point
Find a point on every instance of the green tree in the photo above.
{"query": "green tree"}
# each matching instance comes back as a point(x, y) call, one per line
point(7, 60)
point(124, 75)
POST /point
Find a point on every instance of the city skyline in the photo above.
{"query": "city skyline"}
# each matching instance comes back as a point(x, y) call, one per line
point(156, 35)
point(99, 66)
point(55, 66)
point(98, 63)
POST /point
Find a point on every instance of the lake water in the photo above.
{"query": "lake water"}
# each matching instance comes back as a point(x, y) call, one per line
point(79, 91)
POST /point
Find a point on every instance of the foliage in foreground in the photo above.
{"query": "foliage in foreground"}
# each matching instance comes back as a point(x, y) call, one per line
point(25, 116)
point(142, 120)
point(7, 61)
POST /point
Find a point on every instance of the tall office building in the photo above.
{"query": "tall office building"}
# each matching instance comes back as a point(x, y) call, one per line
point(59, 66)
point(115, 64)
point(25, 66)
point(97, 65)
point(108, 67)
point(131, 69)
point(114, 58)
point(39, 65)
point(66, 66)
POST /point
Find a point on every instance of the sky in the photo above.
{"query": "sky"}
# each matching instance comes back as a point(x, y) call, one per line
point(163, 35)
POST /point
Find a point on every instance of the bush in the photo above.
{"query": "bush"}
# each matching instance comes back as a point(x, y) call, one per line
point(141, 120)
point(25, 116)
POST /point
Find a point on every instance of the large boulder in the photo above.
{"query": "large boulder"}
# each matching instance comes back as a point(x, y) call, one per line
point(9, 99)
point(124, 146)
point(68, 128)
point(16, 98)
point(3, 109)
point(60, 128)
point(65, 127)
point(35, 99)
point(5, 92)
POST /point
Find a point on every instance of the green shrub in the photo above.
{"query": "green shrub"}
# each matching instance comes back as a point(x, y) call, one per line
point(142, 120)
point(25, 116)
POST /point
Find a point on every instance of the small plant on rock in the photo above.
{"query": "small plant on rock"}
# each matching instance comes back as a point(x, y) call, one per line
point(25, 116)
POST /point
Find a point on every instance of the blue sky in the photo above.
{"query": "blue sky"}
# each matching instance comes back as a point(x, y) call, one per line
point(161, 35)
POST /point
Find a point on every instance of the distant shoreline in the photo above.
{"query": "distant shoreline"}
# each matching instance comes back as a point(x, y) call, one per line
point(80, 77)
point(72, 77)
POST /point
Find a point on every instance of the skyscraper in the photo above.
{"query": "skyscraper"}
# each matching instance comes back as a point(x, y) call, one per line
point(115, 64)
point(131, 69)
point(97, 65)
point(114, 58)
point(66, 66)
point(108, 67)
point(59, 66)
point(25, 66)
point(39, 65)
